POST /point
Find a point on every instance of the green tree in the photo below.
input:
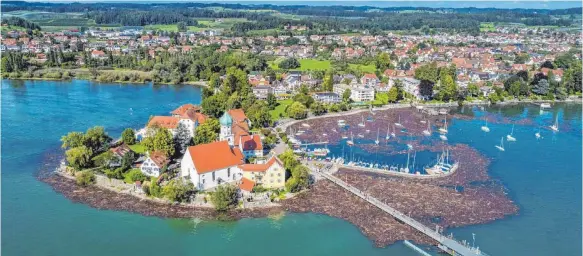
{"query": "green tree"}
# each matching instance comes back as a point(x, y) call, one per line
point(214, 105)
point(181, 26)
point(259, 115)
point(297, 110)
point(183, 138)
point(541, 88)
point(207, 132)
point(393, 94)
point(515, 89)
point(72, 140)
point(271, 101)
point(178, 190)
point(161, 140)
point(318, 108)
point(382, 97)
point(328, 83)
point(79, 157)
point(383, 61)
point(299, 179)
point(85, 178)
point(448, 89)
point(224, 197)
point(473, 90)
point(289, 63)
point(346, 96)
point(128, 136)
point(95, 138)
point(135, 175)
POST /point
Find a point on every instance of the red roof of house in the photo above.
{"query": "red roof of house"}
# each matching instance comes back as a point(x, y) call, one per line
point(261, 167)
point(168, 122)
point(159, 158)
point(370, 76)
point(214, 156)
point(121, 150)
point(246, 184)
point(238, 115)
point(97, 52)
point(251, 142)
point(182, 109)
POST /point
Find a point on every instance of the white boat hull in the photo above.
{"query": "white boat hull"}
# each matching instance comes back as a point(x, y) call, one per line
point(510, 138)
point(485, 129)
point(500, 148)
point(426, 133)
point(442, 137)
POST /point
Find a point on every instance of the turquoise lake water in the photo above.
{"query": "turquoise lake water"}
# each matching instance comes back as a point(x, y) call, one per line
point(543, 177)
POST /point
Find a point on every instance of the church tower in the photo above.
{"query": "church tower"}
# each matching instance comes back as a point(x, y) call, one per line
point(226, 128)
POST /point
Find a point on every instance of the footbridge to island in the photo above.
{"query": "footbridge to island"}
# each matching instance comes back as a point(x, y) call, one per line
point(445, 243)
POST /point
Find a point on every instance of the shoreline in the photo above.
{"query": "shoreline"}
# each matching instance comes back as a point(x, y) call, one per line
point(193, 83)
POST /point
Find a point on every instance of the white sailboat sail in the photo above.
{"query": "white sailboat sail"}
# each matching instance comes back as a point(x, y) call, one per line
point(510, 136)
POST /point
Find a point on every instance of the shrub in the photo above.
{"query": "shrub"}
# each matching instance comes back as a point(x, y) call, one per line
point(135, 175)
point(85, 178)
point(224, 197)
point(178, 190)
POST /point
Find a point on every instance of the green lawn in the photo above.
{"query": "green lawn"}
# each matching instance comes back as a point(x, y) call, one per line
point(305, 64)
point(138, 148)
point(487, 27)
point(280, 109)
point(371, 68)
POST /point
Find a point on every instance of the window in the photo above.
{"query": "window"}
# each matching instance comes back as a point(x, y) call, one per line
point(278, 180)
point(228, 172)
point(202, 181)
point(213, 176)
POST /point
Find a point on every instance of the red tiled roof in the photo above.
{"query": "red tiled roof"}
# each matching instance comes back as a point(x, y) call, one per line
point(181, 111)
point(237, 115)
point(261, 167)
point(214, 156)
point(246, 185)
point(159, 159)
point(167, 122)
point(121, 150)
point(252, 142)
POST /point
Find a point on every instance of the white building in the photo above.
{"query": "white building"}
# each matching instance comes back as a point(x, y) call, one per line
point(209, 165)
point(154, 164)
point(357, 93)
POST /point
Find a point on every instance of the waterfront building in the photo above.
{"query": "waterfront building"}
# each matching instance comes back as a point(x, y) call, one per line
point(327, 97)
point(154, 164)
point(269, 175)
point(188, 115)
point(358, 93)
point(212, 164)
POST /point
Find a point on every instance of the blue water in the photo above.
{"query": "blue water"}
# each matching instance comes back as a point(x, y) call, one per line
point(543, 177)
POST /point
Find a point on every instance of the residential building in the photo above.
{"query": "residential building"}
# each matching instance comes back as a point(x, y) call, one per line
point(261, 91)
point(327, 97)
point(268, 175)
point(154, 164)
point(358, 93)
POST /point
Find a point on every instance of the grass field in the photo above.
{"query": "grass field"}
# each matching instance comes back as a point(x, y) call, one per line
point(138, 148)
point(280, 109)
point(305, 64)
point(371, 68)
point(487, 27)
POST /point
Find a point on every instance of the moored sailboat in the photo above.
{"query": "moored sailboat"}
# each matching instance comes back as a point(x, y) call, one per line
point(427, 132)
point(555, 127)
point(509, 137)
point(501, 146)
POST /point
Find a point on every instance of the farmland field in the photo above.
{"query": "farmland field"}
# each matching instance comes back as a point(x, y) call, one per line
point(305, 64)
point(371, 68)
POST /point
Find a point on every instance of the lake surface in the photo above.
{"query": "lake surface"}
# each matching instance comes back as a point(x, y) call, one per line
point(543, 177)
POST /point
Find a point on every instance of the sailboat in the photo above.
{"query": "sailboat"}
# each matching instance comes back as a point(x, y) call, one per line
point(399, 123)
point(409, 145)
point(428, 131)
point(351, 141)
point(361, 124)
point(406, 169)
point(537, 134)
point(444, 128)
point(393, 132)
point(501, 146)
point(509, 137)
point(555, 127)
point(485, 128)
point(443, 137)
point(388, 132)
point(377, 141)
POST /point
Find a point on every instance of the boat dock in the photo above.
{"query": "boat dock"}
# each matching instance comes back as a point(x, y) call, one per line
point(447, 244)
